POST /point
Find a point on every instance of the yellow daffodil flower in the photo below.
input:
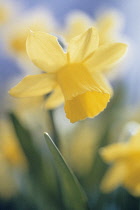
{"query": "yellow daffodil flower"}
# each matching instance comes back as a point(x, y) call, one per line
point(75, 75)
point(108, 25)
point(126, 166)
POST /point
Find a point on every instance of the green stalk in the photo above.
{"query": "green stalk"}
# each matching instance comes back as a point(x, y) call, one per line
point(55, 135)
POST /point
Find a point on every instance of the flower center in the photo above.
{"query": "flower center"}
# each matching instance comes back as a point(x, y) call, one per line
point(74, 79)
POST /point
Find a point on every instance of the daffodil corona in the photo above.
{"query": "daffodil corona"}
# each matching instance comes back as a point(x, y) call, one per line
point(74, 77)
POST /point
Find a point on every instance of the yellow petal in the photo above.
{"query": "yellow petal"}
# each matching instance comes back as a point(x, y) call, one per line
point(132, 180)
point(45, 52)
point(9, 145)
point(135, 191)
point(34, 85)
point(77, 23)
point(55, 99)
point(113, 178)
point(108, 26)
point(113, 152)
point(18, 42)
point(105, 56)
point(80, 47)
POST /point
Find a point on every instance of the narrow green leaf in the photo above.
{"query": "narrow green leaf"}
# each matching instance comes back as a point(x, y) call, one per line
point(73, 196)
point(41, 172)
point(26, 141)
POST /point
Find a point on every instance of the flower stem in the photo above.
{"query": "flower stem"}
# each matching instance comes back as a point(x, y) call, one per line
point(55, 136)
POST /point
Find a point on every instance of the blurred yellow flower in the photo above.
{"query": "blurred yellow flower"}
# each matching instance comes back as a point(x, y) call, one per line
point(126, 166)
point(77, 23)
point(107, 25)
point(5, 12)
point(9, 146)
point(3, 15)
point(37, 20)
point(76, 75)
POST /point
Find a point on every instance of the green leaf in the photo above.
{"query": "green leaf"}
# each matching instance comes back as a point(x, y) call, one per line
point(42, 179)
point(73, 196)
point(27, 143)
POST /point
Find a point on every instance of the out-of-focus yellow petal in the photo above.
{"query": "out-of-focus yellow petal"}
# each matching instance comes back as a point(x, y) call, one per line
point(80, 47)
point(132, 179)
point(19, 34)
point(135, 190)
point(77, 23)
point(127, 155)
point(7, 10)
point(18, 43)
point(3, 15)
point(55, 99)
point(119, 151)
point(9, 146)
point(34, 85)
point(113, 178)
point(107, 26)
point(12, 152)
point(113, 152)
point(45, 52)
point(105, 56)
